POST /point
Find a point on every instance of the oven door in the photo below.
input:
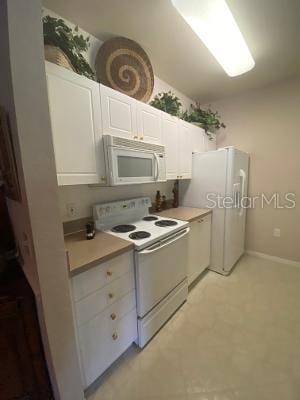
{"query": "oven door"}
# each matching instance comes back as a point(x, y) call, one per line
point(132, 166)
point(159, 269)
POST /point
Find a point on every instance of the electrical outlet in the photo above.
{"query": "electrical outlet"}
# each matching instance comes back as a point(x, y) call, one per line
point(71, 209)
point(276, 232)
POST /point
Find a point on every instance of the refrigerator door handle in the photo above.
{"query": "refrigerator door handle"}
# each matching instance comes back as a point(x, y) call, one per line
point(243, 176)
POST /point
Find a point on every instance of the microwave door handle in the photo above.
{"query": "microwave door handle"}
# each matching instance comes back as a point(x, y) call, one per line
point(175, 237)
point(156, 167)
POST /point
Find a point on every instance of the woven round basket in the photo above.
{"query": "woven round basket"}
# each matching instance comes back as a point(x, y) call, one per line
point(123, 65)
point(57, 56)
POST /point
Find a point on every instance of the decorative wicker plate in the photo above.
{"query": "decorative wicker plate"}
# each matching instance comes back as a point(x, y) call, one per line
point(123, 65)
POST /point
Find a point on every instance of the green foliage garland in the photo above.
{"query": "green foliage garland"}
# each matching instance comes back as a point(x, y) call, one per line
point(167, 102)
point(57, 33)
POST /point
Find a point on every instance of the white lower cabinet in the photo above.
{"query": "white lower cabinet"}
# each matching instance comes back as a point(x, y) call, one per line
point(106, 318)
point(199, 247)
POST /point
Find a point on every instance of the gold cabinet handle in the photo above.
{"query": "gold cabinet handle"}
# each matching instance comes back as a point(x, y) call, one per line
point(113, 316)
point(115, 336)
point(141, 138)
point(109, 273)
point(200, 220)
point(135, 137)
point(103, 178)
point(111, 295)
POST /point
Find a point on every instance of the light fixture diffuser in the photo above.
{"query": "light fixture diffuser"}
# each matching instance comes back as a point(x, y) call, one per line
point(213, 22)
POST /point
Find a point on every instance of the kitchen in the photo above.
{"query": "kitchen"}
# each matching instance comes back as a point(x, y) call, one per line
point(162, 296)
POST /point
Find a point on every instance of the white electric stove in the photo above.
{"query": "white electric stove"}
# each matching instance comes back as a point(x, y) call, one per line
point(160, 258)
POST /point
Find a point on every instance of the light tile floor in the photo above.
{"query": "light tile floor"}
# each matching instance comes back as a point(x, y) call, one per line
point(236, 338)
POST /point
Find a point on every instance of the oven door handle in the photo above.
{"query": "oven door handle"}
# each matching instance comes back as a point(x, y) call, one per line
point(156, 167)
point(164, 243)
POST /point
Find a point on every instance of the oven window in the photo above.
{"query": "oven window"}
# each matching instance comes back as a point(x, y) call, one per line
point(134, 167)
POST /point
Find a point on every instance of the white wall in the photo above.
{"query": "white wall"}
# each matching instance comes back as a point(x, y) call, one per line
point(159, 85)
point(36, 219)
point(83, 196)
point(265, 123)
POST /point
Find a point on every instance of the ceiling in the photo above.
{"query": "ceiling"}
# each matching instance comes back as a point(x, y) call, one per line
point(271, 29)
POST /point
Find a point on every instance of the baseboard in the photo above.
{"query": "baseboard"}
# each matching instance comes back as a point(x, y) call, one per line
point(273, 258)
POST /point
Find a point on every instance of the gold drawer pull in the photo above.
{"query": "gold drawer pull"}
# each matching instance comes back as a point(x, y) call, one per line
point(141, 138)
point(113, 316)
point(115, 336)
point(109, 273)
point(135, 137)
point(111, 295)
point(200, 220)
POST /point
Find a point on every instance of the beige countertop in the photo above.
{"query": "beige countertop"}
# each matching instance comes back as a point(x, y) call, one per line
point(83, 254)
point(189, 214)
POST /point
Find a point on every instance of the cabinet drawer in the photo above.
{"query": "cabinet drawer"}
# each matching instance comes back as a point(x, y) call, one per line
point(100, 346)
point(124, 334)
point(101, 275)
point(116, 311)
point(95, 303)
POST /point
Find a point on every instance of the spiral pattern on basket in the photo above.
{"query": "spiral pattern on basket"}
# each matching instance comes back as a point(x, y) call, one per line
point(123, 65)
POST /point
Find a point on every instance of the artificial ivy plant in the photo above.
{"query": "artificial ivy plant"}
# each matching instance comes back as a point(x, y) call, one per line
point(57, 33)
point(206, 118)
point(167, 102)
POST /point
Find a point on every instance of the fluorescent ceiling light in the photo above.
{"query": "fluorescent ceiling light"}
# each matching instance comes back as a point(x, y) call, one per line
point(213, 22)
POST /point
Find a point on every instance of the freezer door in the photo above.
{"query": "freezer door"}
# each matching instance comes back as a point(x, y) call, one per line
point(235, 217)
point(209, 178)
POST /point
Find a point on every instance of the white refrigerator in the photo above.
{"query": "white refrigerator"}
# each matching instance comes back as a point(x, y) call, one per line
point(219, 181)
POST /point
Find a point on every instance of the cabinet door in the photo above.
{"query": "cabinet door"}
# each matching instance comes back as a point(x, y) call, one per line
point(197, 139)
point(185, 150)
point(102, 343)
point(149, 123)
point(118, 113)
point(170, 134)
point(74, 103)
point(199, 247)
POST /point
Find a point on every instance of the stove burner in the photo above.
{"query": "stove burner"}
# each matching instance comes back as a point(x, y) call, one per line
point(150, 218)
point(139, 235)
point(166, 222)
point(123, 228)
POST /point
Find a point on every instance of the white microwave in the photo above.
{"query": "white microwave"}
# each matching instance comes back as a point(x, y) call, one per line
point(130, 161)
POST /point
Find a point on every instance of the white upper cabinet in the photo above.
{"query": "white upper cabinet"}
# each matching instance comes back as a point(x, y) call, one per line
point(74, 103)
point(82, 111)
point(197, 139)
point(118, 113)
point(185, 145)
point(149, 121)
point(170, 136)
point(177, 136)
